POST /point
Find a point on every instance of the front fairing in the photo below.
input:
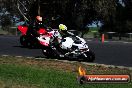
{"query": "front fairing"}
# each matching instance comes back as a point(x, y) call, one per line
point(80, 43)
point(23, 29)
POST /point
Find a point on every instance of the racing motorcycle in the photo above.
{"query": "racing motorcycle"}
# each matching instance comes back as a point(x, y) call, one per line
point(71, 47)
point(29, 40)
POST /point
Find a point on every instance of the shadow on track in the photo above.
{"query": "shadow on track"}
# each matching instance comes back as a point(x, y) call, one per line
point(28, 47)
point(54, 58)
point(64, 58)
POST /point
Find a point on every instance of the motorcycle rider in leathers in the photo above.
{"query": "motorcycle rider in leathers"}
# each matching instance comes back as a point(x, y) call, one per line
point(35, 25)
point(58, 36)
point(62, 33)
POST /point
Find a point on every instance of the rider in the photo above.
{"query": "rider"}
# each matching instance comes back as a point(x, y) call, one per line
point(61, 34)
point(35, 25)
point(57, 38)
point(63, 31)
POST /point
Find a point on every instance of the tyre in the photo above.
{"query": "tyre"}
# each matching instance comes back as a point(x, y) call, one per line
point(28, 42)
point(23, 41)
point(48, 53)
point(33, 43)
point(90, 56)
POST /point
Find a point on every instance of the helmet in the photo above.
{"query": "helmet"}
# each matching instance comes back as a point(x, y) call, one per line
point(39, 18)
point(62, 27)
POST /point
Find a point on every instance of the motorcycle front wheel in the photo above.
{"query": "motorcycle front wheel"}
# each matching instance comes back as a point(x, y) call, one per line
point(90, 56)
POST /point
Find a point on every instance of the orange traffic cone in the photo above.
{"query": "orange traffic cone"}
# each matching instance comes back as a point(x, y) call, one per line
point(103, 38)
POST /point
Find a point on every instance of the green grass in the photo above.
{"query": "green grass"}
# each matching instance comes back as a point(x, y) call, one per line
point(92, 33)
point(35, 74)
point(93, 29)
point(2, 32)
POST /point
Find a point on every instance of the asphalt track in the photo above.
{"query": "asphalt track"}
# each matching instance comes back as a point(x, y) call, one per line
point(111, 52)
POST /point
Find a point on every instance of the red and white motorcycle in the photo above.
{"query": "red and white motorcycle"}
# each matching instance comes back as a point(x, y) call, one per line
point(33, 41)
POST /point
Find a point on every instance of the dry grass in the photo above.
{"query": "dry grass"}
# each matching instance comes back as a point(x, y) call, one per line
point(64, 66)
point(70, 69)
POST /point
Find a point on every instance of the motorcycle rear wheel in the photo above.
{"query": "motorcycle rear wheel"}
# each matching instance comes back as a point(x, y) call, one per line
point(23, 41)
point(48, 53)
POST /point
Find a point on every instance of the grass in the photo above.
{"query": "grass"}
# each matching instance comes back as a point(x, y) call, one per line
point(9, 31)
point(31, 73)
point(93, 29)
point(92, 33)
point(34, 76)
point(2, 32)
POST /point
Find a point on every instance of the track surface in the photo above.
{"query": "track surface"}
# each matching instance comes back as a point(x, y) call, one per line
point(111, 53)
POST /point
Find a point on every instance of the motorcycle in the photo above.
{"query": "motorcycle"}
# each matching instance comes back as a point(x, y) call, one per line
point(71, 47)
point(29, 40)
